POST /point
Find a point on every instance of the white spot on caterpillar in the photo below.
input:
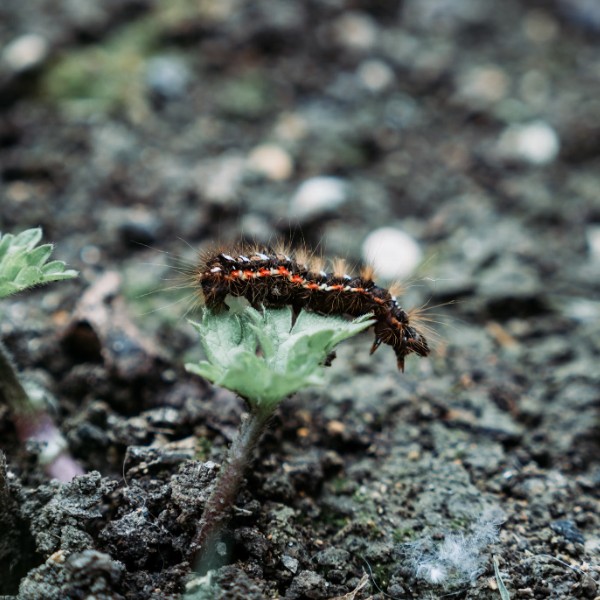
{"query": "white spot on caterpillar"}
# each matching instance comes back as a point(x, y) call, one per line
point(215, 270)
point(227, 257)
point(243, 258)
point(322, 274)
point(262, 256)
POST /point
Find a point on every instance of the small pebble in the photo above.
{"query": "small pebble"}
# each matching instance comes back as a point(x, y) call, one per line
point(26, 52)
point(484, 85)
point(90, 255)
point(568, 530)
point(592, 545)
point(536, 143)
point(19, 191)
point(375, 75)
point(167, 76)
point(137, 226)
point(318, 196)
point(583, 310)
point(291, 126)
point(272, 161)
point(535, 88)
point(393, 253)
point(356, 31)
point(290, 563)
point(220, 179)
point(540, 27)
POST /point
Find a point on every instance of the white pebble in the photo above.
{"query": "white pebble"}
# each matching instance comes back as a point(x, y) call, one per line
point(375, 75)
point(536, 143)
point(483, 85)
point(271, 161)
point(318, 196)
point(220, 179)
point(26, 52)
point(167, 76)
point(393, 253)
point(356, 31)
point(290, 563)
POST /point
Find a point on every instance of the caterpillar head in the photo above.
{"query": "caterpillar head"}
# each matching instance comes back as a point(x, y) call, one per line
point(396, 331)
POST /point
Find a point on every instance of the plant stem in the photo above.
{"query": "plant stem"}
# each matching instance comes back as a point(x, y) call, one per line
point(219, 505)
point(34, 424)
point(10, 387)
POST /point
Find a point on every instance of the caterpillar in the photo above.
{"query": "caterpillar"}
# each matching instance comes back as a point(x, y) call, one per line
point(271, 278)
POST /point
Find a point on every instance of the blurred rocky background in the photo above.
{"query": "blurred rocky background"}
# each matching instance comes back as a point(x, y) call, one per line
point(454, 143)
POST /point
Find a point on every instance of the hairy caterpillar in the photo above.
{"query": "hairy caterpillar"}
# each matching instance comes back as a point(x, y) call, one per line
point(271, 278)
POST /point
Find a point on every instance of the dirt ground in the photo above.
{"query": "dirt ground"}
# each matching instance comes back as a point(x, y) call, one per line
point(137, 132)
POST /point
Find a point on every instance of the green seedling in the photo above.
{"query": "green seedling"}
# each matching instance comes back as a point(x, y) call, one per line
point(264, 356)
point(24, 264)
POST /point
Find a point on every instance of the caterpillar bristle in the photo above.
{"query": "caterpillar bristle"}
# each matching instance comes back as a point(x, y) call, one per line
point(396, 289)
point(317, 264)
point(424, 318)
point(302, 257)
point(282, 250)
point(367, 273)
point(340, 267)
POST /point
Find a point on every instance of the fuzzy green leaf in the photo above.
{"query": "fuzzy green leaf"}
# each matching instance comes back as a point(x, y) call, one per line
point(28, 238)
point(7, 288)
point(263, 357)
point(57, 268)
point(23, 263)
point(5, 242)
point(38, 256)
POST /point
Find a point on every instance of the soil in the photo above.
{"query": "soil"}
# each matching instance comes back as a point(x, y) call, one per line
point(127, 130)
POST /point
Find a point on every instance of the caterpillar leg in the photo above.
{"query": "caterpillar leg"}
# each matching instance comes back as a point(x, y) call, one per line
point(375, 345)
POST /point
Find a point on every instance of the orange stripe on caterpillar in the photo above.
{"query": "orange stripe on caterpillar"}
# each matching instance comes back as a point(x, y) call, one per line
point(273, 279)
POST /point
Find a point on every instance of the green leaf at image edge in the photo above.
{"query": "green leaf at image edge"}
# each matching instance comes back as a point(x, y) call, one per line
point(23, 264)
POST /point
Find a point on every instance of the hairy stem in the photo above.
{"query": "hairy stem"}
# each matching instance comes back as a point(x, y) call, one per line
point(10, 387)
point(219, 505)
point(34, 424)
